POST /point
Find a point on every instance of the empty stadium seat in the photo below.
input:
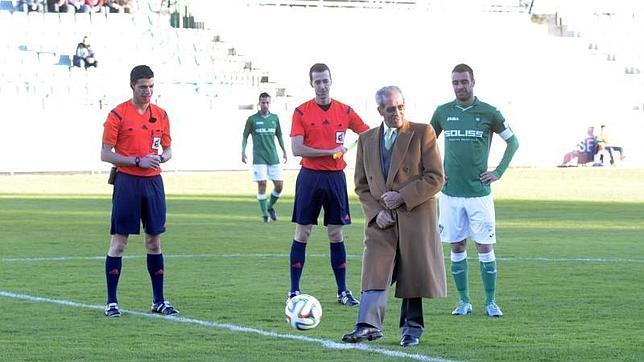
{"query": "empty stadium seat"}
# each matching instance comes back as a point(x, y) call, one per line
point(64, 60)
point(6, 6)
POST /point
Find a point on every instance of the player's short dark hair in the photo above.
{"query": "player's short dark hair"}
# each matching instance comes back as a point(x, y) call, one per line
point(318, 68)
point(264, 95)
point(462, 68)
point(140, 72)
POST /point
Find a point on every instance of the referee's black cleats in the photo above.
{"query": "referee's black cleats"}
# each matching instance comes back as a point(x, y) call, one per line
point(164, 308)
point(292, 294)
point(346, 298)
point(112, 310)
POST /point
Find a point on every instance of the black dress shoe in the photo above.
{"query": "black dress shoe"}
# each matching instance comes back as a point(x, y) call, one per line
point(408, 340)
point(362, 333)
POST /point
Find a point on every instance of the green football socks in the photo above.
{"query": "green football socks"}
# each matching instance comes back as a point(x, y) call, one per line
point(459, 272)
point(487, 264)
point(488, 275)
point(261, 198)
point(274, 197)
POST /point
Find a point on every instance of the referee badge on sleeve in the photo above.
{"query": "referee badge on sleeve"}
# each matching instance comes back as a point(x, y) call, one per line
point(339, 137)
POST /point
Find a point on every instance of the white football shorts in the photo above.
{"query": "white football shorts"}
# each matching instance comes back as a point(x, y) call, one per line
point(467, 217)
point(267, 172)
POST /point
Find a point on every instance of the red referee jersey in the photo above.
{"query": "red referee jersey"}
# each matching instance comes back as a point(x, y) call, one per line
point(325, 130)
point(137, 135)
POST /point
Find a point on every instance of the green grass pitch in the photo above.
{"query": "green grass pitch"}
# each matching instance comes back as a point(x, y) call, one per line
point(571, 265)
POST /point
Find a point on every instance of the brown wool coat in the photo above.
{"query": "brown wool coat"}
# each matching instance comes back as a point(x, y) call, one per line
point(417, 173)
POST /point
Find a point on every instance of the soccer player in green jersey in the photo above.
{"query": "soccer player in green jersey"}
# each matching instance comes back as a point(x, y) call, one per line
point(466, 206)
point(264, 127)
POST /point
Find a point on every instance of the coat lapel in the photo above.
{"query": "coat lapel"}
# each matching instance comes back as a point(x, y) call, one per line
point(403, 139)
point(374, 168)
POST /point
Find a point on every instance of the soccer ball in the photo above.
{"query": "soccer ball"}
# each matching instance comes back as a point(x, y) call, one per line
point(303, 312)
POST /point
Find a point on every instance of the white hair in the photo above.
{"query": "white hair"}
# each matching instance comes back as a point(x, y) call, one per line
point(386, 91)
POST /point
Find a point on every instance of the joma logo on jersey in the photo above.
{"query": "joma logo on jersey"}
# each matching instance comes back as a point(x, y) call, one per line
point(452, 118)
point(464, 133)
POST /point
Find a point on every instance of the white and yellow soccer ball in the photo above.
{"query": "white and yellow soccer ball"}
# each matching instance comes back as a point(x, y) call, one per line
point(303, 312)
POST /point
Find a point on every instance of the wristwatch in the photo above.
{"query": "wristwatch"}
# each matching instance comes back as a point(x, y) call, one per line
point(137, 160)
point(161, 159)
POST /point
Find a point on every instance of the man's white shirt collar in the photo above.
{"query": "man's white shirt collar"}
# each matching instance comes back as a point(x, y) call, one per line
point(386, 128)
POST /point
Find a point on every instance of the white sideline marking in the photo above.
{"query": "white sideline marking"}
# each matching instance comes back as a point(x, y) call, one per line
point(234, 328)
point(277, 255)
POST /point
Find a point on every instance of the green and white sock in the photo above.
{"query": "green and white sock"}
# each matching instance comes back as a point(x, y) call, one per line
point(459, 272)
point(262, 204)
point(487, 263)
point(274, 197)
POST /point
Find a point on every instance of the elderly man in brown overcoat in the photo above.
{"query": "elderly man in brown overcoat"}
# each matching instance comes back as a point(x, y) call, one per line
point(398, 173)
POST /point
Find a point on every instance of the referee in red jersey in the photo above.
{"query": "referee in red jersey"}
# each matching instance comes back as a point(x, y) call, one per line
point(136, 139)
point(317, 133)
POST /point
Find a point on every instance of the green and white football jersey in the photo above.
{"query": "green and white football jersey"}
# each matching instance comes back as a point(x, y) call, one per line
point(468, 136)
point(263, 129)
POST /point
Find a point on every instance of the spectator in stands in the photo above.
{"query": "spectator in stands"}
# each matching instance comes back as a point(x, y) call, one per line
point(605, 148)
point(96, 6)
point(30, 5)
point(119, 6)
point(79, 6)
point(584, 152)
point(58, 6)
point(84, 57)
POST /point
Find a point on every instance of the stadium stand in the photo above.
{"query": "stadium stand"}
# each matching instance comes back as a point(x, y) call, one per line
point(208, 78)
point(37, 81)
point(611, 31)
